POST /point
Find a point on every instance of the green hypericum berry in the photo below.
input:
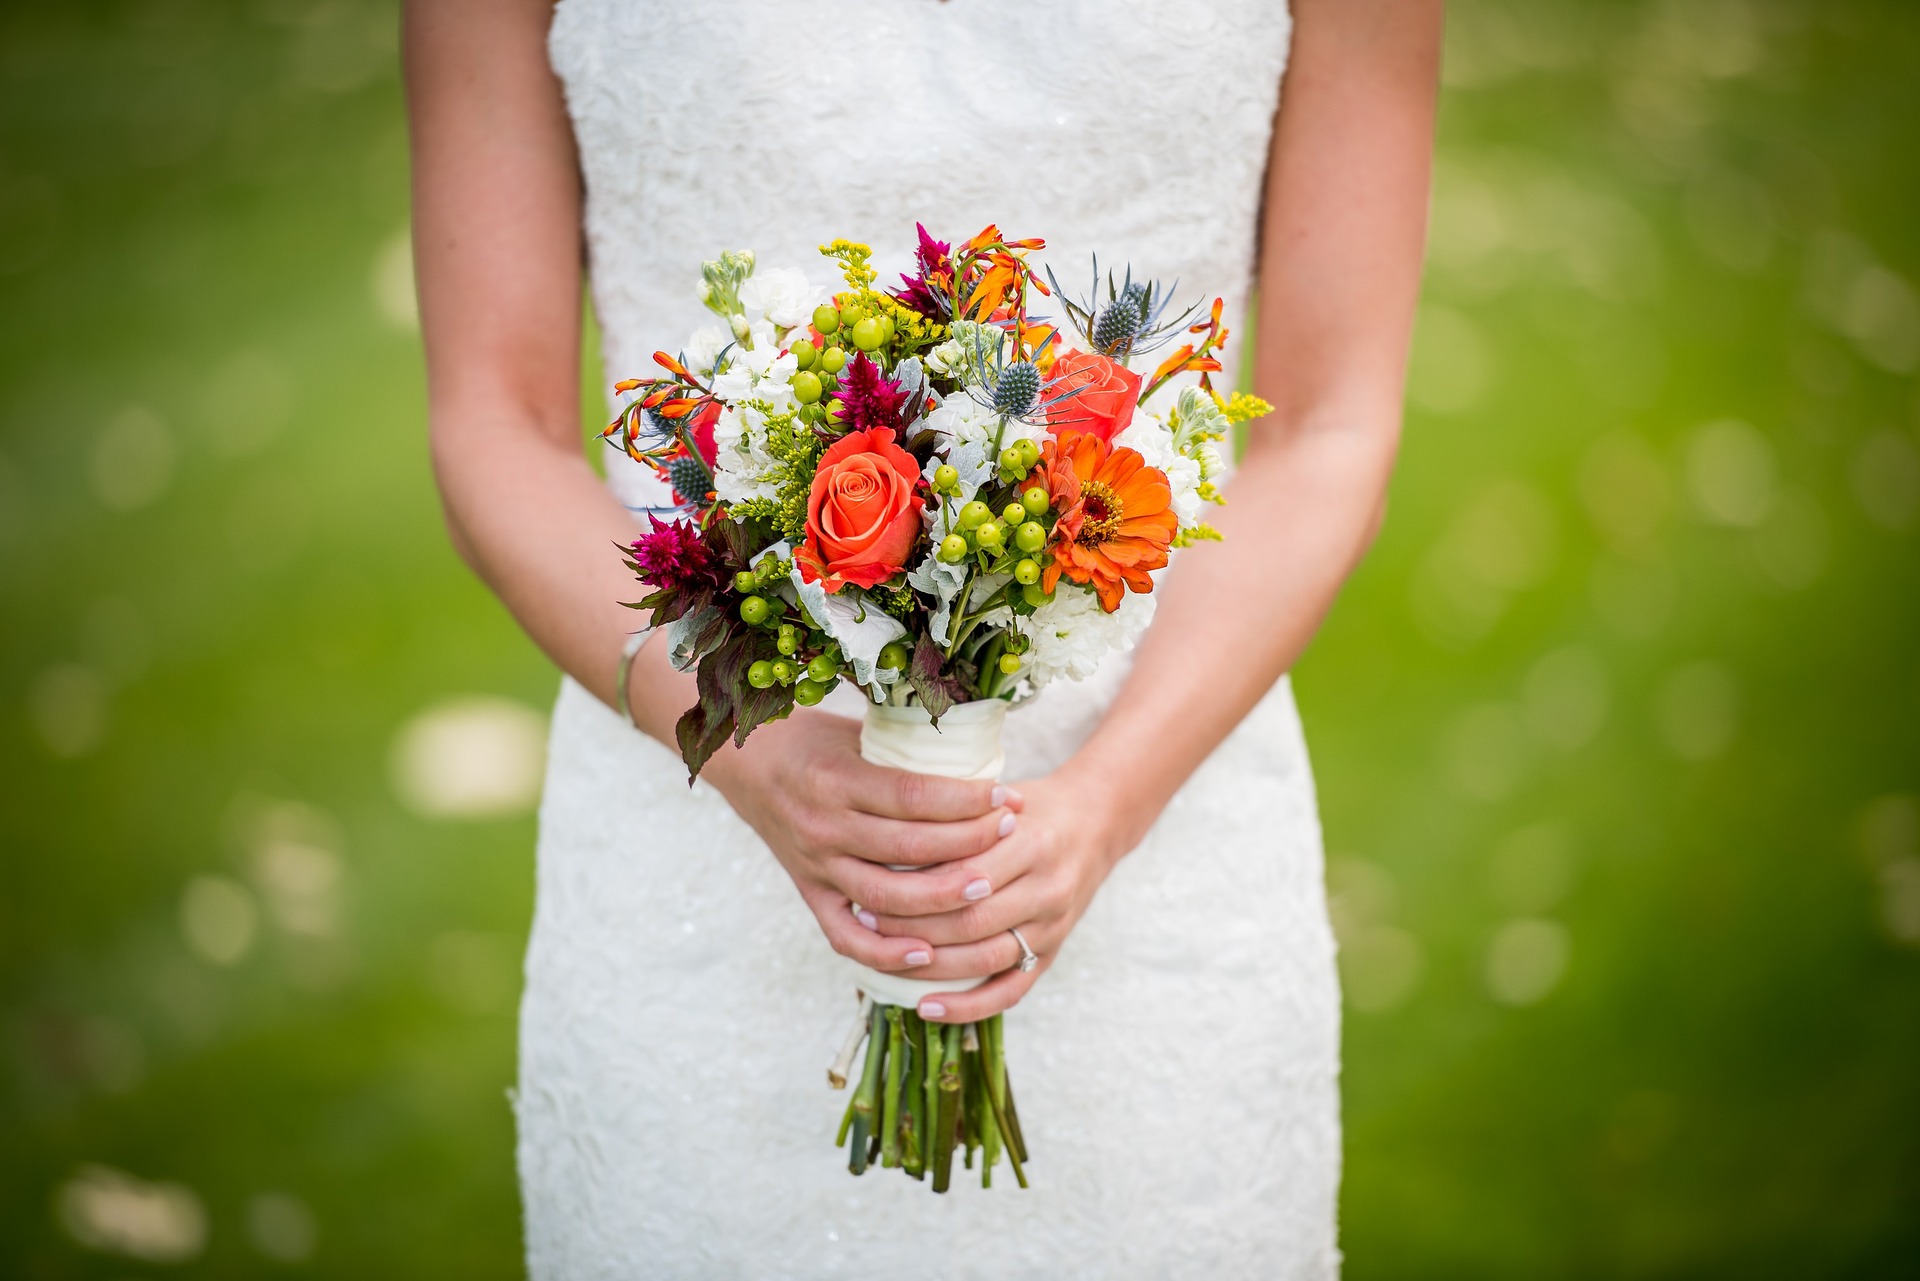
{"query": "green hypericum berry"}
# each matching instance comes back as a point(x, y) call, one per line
point(833, 359)
point(990, 535)
point(894, 656)
point(822, 669)
point(806, 387)
point(1029, 452)
point(1014, 514)
point(1010, 459)
point(1034, 500)
point(975, 514)
point(760, 675)
point(754, 610)
point(1034, 594)
point(953, 549)
point(804, 353)
point(1009, 663)
point(1027, 571)
point(836, 407)
point(809, 693)
point(745, 582)
point(869, 334)
point(826, 318)
point(945, 477)
point(1030, 537)
point(784, 671)
point(788, 641)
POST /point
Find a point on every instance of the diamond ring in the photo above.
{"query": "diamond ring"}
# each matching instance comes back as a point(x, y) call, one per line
point(1027, 958)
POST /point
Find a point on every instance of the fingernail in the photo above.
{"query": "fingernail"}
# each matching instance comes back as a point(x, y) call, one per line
point(868, 919)
point(976, 890)
point(1002, 794)
point(1006, 824)
point(932, 1010)
point(918, 958)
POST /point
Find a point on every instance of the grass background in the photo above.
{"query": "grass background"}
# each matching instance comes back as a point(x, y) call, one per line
point(1615, 729)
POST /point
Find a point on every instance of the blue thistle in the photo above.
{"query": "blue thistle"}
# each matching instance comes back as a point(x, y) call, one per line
point(1017, 389)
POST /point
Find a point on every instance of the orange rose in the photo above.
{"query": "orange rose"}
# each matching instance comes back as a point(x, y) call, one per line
point(863, 512)
point(1098, 395)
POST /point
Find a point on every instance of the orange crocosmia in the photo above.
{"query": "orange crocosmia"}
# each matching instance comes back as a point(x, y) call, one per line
point(1116, 517)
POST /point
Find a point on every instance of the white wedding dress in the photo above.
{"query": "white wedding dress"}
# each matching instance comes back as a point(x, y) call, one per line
point(1178, 1067)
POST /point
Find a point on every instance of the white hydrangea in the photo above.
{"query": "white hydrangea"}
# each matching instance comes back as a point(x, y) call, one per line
point(783, 295)
point(1070, 634)
point(1150, 438)
point(965, 422)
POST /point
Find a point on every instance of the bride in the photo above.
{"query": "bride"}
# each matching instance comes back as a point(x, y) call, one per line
point(1155, 837)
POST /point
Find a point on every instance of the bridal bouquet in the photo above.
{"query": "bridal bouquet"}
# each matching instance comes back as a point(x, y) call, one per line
point(936, 495)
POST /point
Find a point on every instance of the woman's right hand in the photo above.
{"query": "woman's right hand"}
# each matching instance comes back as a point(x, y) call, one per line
point(836, 821)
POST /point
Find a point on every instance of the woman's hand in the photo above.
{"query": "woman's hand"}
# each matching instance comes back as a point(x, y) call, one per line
point(1069, 839)
point(835, 821)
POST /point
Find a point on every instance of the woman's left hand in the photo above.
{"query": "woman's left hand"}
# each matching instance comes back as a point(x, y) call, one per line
point(1046, 874)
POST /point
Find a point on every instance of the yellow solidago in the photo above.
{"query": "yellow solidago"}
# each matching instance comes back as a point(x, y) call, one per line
point(1198, 534)
point(1242, 408)
point(854, 264)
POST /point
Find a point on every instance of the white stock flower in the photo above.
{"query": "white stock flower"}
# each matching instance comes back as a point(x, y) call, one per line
point(783, 294)
point(704, 347)
point(1070, 634)
point(742, 466)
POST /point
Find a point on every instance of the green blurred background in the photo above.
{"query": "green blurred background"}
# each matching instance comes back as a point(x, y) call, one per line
point(1615, 730)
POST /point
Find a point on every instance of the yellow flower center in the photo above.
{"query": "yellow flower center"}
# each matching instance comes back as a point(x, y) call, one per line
point(1102, 513)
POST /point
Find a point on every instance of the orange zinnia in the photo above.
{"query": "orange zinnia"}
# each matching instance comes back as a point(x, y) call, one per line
point(1116, 517)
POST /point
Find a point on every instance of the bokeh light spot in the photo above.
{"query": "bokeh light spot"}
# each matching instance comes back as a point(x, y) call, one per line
point(218, 918)
point(282, 1227)
point(132, 460)
point(1886, 479)
point(1566, 698)
point(471, 757)
point(110, 1210)
point(67, 704)
point(1526, 960)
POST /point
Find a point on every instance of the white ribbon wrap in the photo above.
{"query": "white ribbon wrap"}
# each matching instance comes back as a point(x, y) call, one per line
point(965, 745)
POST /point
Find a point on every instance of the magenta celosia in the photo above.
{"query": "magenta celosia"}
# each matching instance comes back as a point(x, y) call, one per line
point(675, 555)
point(868, 399)
point(925, 292)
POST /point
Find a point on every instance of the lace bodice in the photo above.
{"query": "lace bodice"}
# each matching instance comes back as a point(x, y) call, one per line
point(1133, 128)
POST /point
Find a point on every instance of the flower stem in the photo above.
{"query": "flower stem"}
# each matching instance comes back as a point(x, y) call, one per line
point(947, 1119)
point(865, 1095)
point(914, 1098)
point(890, 1102)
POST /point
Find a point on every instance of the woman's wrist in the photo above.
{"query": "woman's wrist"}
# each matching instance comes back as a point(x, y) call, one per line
point(1116, 810)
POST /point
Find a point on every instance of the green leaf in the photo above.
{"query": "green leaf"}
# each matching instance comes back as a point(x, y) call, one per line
point(935, 690)
point(760, 706)
point(699, 737)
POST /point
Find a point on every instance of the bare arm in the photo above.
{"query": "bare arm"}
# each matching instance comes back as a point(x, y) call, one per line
point(498, 251)
point(1341, 247)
